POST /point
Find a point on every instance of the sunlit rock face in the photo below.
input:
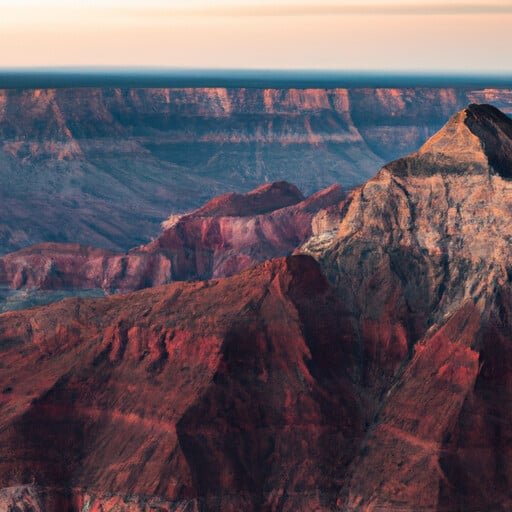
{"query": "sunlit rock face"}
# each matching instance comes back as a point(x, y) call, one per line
point(422, 259)
point(103, 167)
point(438, 218)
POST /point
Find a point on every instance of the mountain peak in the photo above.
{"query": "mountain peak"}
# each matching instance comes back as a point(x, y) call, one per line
point(476, 140)
point(264, 199)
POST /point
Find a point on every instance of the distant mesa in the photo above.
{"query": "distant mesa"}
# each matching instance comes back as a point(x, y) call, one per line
point(115, 161)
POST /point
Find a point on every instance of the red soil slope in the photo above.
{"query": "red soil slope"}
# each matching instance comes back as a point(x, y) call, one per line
point(236, 394)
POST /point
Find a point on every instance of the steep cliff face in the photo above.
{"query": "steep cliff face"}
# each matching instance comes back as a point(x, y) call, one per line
point(236, 394)
point(429, 230)
point(225, 236)
point(103, 167)
point(422, 259)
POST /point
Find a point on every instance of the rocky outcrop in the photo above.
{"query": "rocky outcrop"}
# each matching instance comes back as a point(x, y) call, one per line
point(225, 236)
point(233, 394)
point(478, 140)
point(103, 167)
point(422, 260)
point(264, 199)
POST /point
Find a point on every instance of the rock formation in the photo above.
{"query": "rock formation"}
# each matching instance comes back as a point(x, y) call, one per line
point(226, 235)
point(422, 260)
point(233, 394)
point(382, 386)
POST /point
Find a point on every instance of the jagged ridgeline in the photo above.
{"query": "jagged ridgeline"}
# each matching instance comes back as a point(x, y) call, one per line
point(228, 234)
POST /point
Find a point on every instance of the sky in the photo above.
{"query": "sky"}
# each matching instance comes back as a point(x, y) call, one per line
point(470, 36)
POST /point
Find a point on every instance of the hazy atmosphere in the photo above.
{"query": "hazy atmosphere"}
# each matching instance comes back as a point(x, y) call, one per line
point(467, 36)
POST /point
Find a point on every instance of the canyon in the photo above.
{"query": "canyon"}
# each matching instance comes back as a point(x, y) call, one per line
point(368, 371)
point(105, 166)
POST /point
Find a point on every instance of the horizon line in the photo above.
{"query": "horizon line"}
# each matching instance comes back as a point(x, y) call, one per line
point(161, 77)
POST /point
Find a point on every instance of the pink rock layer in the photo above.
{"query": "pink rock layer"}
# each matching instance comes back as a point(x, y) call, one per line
point(227, 235)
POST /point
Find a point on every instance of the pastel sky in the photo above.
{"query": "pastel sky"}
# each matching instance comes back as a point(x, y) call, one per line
point(413, 35)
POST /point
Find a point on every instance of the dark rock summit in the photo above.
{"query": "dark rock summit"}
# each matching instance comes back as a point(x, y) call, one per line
point(477, 140)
